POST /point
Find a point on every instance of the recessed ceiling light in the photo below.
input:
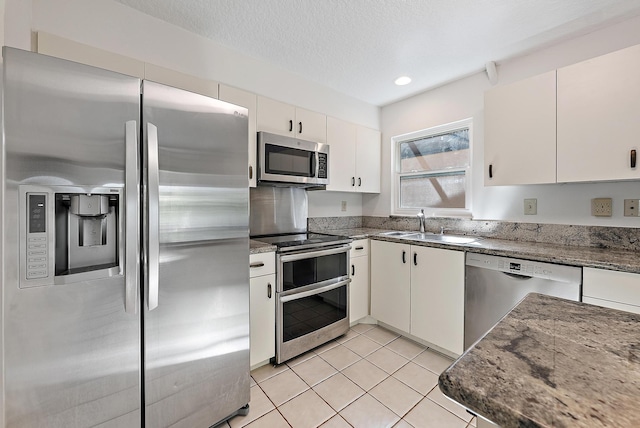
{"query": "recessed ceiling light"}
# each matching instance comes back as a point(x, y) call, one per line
point(403, 80)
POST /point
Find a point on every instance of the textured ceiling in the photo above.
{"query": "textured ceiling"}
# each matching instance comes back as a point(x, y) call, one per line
point(359, 47)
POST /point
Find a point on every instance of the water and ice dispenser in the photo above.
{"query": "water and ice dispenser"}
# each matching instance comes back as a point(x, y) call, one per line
point(69, 234)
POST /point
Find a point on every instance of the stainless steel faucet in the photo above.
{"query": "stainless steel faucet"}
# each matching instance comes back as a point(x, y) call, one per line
point(421, 218)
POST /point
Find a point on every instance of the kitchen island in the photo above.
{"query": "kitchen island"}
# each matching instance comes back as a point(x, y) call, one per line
point(553, 363)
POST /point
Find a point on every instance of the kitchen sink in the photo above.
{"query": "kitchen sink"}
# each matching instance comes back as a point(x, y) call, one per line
point(445, 239)
point(397, 234)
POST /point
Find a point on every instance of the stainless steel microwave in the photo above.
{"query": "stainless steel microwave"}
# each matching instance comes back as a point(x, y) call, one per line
point(290, 161)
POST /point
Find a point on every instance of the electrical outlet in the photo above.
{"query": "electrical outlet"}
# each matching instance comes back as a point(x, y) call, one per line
point(530, 206)
point(631, 208)
point(601, 207)
point(343, 206)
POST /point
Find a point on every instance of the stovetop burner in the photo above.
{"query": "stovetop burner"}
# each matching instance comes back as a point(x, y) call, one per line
point(299, 241)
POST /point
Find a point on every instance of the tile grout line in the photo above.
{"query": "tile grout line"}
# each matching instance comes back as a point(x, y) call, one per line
point(366, 392)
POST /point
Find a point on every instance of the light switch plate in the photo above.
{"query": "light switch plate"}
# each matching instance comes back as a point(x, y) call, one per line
point(601, 207)
point(531, 206)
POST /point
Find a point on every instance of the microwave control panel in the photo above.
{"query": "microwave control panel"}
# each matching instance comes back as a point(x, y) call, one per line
point(322, 165)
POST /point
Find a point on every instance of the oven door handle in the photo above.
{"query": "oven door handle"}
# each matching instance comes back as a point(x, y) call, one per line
point(302, 295)
point(312, 253)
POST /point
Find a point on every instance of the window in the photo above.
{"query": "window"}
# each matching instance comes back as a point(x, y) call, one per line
point(432, 171)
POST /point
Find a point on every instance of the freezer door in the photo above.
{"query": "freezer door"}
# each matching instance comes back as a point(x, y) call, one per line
point(71, 342)
point(196, 303)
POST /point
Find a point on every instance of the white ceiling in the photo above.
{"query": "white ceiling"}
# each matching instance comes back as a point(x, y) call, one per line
point(359, 47)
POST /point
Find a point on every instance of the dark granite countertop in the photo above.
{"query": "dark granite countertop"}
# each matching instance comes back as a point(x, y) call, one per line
point(553, 363)
point(603, 258)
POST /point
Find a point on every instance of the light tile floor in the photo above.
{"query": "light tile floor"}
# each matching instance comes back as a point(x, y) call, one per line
point(370, 377)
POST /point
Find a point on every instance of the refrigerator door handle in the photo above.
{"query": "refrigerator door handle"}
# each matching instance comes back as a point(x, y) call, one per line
point(132, 197)
point(153, 217)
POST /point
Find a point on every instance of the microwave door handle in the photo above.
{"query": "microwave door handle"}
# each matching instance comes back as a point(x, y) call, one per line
point(132, 197)
point(153, 218)
point(314, 162)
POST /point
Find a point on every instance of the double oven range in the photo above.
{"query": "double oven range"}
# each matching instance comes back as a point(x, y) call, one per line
point(312, 276)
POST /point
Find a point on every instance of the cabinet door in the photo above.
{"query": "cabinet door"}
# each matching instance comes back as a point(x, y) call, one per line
point(179, 80)
point(275, 117)
point(262, 319)
point(310, 125)
point(359, 288)
point(598, 111)
point(390, 283)
point(341, 137)
point(437, 297)
point(49, 44)
point(368, 158)
point(249, 101)
point(520, 132)
point(611, 289)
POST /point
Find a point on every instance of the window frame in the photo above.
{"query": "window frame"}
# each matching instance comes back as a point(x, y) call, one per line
point(396, 209)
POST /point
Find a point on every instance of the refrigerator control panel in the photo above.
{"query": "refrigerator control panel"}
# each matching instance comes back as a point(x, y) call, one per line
point(37, 247)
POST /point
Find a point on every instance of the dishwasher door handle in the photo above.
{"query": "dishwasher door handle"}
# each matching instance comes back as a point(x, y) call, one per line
point(517, 276)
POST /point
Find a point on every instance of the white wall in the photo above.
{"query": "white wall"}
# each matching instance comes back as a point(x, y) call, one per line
point(559, 203)
point(329, 204)
point(117, 28)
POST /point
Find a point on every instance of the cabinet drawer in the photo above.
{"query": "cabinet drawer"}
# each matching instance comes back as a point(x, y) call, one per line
point(262, 264)
point(621, 287)
point(611, 305)
point(359, 248)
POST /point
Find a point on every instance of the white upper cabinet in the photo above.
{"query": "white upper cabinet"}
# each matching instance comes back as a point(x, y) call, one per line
point(520, 132)
point(354, 156)
point(285, 119)
point(249, 101)
point(599, 117)
point(59, 47)
point(341, 137)
point(179, 80)
point(368, 159)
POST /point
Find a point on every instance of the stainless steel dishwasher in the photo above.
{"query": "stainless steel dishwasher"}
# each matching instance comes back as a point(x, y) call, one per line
point(493, 286)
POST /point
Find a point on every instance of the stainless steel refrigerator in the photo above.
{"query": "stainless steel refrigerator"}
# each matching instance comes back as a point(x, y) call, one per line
point(125, 250)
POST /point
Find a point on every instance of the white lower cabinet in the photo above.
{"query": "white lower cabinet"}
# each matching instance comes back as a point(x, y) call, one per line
point(262, 296)
point(359, 287)
point(391, 284)
point(611, 289)
point(419, 290)
point(437, 297)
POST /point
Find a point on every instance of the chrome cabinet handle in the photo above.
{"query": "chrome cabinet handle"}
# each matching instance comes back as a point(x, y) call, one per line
point(353, 181)
point(256, 265)
point(299, 127)
point(633, 158)
point(153, 217)
point(268, 290)
point(359, 181)
point(132, 198)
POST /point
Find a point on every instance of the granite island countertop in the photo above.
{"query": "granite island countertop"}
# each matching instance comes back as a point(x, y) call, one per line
point(553, 363)
point(602, 258)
